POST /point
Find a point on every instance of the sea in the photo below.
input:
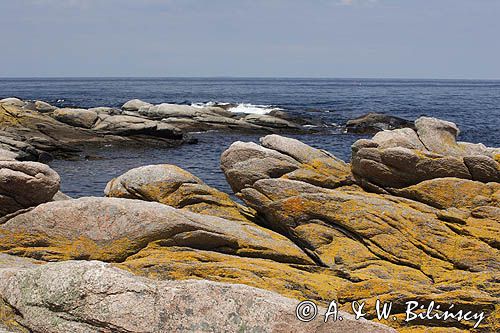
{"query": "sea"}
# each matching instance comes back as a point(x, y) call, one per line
point(474, 105)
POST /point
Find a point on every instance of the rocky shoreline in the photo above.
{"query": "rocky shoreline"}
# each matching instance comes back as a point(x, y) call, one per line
point(414, 217)
point(38, 131)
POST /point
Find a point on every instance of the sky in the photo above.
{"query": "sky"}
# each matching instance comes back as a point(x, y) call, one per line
point(449, 39)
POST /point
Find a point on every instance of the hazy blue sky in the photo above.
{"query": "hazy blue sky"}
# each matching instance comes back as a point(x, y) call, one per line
point(312, 38)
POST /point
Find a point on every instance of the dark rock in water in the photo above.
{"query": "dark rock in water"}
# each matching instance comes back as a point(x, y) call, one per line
point(374, 122)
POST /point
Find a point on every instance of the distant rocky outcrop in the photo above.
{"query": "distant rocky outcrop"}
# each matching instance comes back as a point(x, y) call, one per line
point(38, 131)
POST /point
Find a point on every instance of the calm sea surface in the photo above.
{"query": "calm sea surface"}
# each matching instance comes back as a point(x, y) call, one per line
point(473, 105)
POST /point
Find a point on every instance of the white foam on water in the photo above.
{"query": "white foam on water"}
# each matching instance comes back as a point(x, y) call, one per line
point(253, 109)
point(241, 108)
point(208, 104)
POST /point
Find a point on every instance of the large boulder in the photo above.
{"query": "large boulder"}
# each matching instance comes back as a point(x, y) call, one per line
point(43, 107)
point(375, 122)
point(404, 157)
point(12, 101)
point(173, 186)
point(96, 297)
point(400, 167)
point(245, 163)
point(438, 136)
point(403, 137)
point(25, 184)
point(76, 117)
point(135, 105)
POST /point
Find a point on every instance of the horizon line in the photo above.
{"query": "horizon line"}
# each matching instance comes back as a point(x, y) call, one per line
point(248, 77)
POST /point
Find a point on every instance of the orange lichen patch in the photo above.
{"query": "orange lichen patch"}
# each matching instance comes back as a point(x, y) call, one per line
point(294, 205)
point(328, 173)
point(450, 192)
point(202, 199)
point(53, 248)
point(40, 246)
point(300, 282)
point(194, 197)
point(484, 229)
point(392, 232)
point(184, 263)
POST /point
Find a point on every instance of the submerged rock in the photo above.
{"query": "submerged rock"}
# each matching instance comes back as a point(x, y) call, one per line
point(375, 122)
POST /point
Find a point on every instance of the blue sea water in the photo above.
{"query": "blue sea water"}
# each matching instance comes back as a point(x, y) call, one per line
point(473, 105)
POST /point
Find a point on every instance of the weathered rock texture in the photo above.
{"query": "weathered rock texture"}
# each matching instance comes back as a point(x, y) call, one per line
point(113, 229)
point(176, 187)
point(95, 297)
point(441, 245)
point(404, 157)
point(402, 223)
point(25, 184)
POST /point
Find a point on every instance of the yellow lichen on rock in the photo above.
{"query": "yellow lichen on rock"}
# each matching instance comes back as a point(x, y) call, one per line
point(451, 192)
point(177, 263)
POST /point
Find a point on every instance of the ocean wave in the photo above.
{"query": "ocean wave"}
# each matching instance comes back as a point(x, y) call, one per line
point(254, 109)
point(240, 108)
point(209, 104)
